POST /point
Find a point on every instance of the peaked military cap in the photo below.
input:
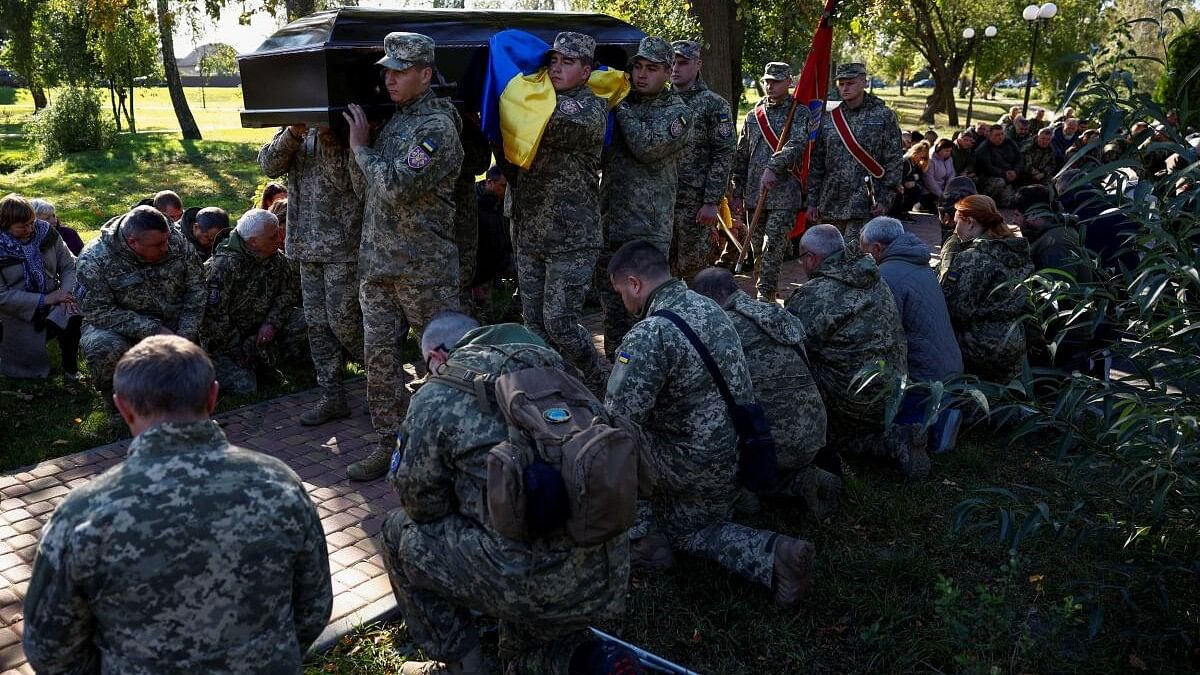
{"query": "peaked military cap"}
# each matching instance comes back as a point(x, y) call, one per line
point(574, 45)
point(405, 50)
point(654, 49)
point(847, 71)
point(777, 70)
point(688, 49)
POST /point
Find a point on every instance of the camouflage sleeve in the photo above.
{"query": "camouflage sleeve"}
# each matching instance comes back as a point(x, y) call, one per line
point(968, 288)
point(891, 157)
point(191, 315)
point(741, 160)
point(950, 248)
point(423, 479)
point(813, 309)
point(661, 135)
point(288, 296)
point(312, 593)
point(436, 154)
point(638, 374)
point(59, 634)
point(99, 305)
point(816, 168)
point(218, 335)
point(723, 144)
point(275, 158)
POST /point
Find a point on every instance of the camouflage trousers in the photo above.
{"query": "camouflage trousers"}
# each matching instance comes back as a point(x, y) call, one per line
point(334, 318)
point(390, 308)
point(553, 289)
point(617, 321)
point(441, 571)
point(237, 372)
point(851, 228)
point(769, 250)
point(700, 527)
point(466, 236)
point(998, 189)
point(691, 241)
point(863, 436)
point(102, 349)
point(994, 351)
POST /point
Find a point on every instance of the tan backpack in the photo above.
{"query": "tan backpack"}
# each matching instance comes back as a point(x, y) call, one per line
point(567, 464)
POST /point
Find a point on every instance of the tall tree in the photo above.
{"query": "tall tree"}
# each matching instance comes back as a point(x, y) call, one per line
point(166, 24)
point(218, 59)
point(17, 19)
point(722, 24)
point(124, 40)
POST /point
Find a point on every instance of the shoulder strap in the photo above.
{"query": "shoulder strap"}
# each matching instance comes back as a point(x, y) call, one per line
point(705, 356)
point(769, 135)
point(856, 150)
point(465, 379)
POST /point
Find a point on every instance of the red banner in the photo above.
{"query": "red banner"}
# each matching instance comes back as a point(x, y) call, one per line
point(810, 93)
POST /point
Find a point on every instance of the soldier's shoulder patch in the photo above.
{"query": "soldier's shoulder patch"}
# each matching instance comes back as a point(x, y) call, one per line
point(725, 127)
point(678, 126)
point(952, 276)
point(214, 290)
point(623, 357)
point(421, 154)
point(569, 106)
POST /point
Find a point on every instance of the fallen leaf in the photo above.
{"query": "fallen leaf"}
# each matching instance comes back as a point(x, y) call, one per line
point(78, 421)
point(1035, 578)
point(1135, 662)
point(696, 639)
point(59, 442)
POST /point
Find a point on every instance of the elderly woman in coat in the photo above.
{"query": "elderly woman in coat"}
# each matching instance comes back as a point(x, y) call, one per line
point(37, 275)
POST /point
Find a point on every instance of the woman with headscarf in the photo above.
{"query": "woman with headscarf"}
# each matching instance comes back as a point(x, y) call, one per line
point(982, 263)
point(37, 276)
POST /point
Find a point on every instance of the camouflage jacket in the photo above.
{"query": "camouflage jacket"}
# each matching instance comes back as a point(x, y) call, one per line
point(324, 212)
point(120, 293)
point(660, 382)
point(406, 179)
point(641, 168)
point(706, 162)
point(556, 202)
point(441, 471)
point(835, 178)
point(194, 556)
point(1041, 160)
point(753, 153)
point(773, 340)
point(985, 306)
point(851, 322)
point(243, 292)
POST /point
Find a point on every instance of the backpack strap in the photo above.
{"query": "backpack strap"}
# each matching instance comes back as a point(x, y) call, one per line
point(705, 356)
point(468, 380)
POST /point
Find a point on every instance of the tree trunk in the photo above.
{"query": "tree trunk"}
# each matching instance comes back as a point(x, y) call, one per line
point(39, 96)
point(112, 99)
point(902, 76)
point(299, 8)
point(942, 99)
point(723, 39)
point(130, 116)
point(187, 123)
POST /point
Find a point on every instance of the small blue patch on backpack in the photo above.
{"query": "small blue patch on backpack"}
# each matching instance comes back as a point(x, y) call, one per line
point(557, 415)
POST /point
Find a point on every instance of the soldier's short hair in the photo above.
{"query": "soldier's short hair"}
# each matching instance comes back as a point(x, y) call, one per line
point(164, 375)
point(640, 259)
point(167, 199)
point(255, 223)
point(995, 127)
point(1032, 197)
point(446, 329)
point(882, 230)
point(822, 241)
point(143, 219)
point(212, 218)
point(716, 283)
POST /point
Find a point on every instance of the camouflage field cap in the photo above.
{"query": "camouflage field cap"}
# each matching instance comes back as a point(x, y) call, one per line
point(405, 50)
point(688, 49)
point(574, 45)
point(849, 71)
point(777, 70)
point(655, 50)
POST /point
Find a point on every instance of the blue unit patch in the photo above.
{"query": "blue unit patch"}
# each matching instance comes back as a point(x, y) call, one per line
point(557, 415)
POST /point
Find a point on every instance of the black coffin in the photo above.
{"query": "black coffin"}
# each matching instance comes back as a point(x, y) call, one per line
point(312, 68)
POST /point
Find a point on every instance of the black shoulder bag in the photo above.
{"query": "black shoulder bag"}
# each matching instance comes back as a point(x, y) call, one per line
point(757, 464)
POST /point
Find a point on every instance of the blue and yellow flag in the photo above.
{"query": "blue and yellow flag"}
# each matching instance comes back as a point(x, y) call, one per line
point(518, 97)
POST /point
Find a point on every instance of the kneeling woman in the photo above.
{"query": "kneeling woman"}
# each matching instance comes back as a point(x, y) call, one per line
point(982, 263)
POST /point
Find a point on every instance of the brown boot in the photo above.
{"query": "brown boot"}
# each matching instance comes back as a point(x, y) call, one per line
point(822, 492)
point(330, 407)
point(651, 552)
point(375, 465)
point(471, 664)
point(792, 575)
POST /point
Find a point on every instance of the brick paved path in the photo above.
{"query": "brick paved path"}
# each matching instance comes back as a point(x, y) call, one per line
point(351, 513)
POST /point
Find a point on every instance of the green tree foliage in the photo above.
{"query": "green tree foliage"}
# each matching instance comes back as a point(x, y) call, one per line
point(218, 59)
point(670, 20)
point(17, 18)
point(777, 30)
point(122, 37)
point(1180, 84)
point(890, 60)
point(73, 122)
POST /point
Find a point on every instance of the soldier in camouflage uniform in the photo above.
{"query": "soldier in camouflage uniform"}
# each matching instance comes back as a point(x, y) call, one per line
point(773, 341)
point(749, 163)
point(981, 262)
point(851, 322)
point(1041, 162)
point(477, 156)
point(138, 278)
point(836, 193)
point(641, 172)
point(253, 317)
point(323, 232)
point(704, 166)
point(660, 382)
point(556, 212)
point(193, 556)
point(446, 561)
point(408, 262)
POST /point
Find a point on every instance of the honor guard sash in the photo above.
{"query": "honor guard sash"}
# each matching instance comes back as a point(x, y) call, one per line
point(769, 135)
point(857, 151)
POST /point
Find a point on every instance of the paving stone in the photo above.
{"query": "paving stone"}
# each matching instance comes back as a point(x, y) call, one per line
point(27, 525)
point(374, 589)
point(8, 636)
point(44, 494)
point(12, 657)
point(349, 555)
point(350, 577)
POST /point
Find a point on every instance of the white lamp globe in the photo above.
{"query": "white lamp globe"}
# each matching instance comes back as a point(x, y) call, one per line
point(1047, 11)
point(990, 31)
point(1030, 13)
point(968, 33)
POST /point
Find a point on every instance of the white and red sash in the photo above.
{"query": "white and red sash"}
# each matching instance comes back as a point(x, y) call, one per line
point(857, 151)
point(769, 135)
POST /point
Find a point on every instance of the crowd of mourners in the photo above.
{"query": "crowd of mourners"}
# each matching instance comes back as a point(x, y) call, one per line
point(199, 556)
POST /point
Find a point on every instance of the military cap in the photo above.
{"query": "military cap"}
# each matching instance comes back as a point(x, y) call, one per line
point(847, 71)
point(574, 45)
point(654, 49)
point(777, 70)
point(405, 50)
point(688, 49)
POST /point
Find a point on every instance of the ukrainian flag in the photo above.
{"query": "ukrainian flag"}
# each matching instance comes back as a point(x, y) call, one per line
point(518, 97)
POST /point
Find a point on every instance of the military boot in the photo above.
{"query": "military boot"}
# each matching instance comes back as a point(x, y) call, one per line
point(330, 407)
point(792, 573)
point(822, 492)
point(651, 552)
point(912, 453)
point(375, 465)
point(471, 664)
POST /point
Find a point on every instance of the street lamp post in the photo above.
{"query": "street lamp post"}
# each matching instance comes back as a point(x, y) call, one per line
point(969, 34)
point(1035, 15)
